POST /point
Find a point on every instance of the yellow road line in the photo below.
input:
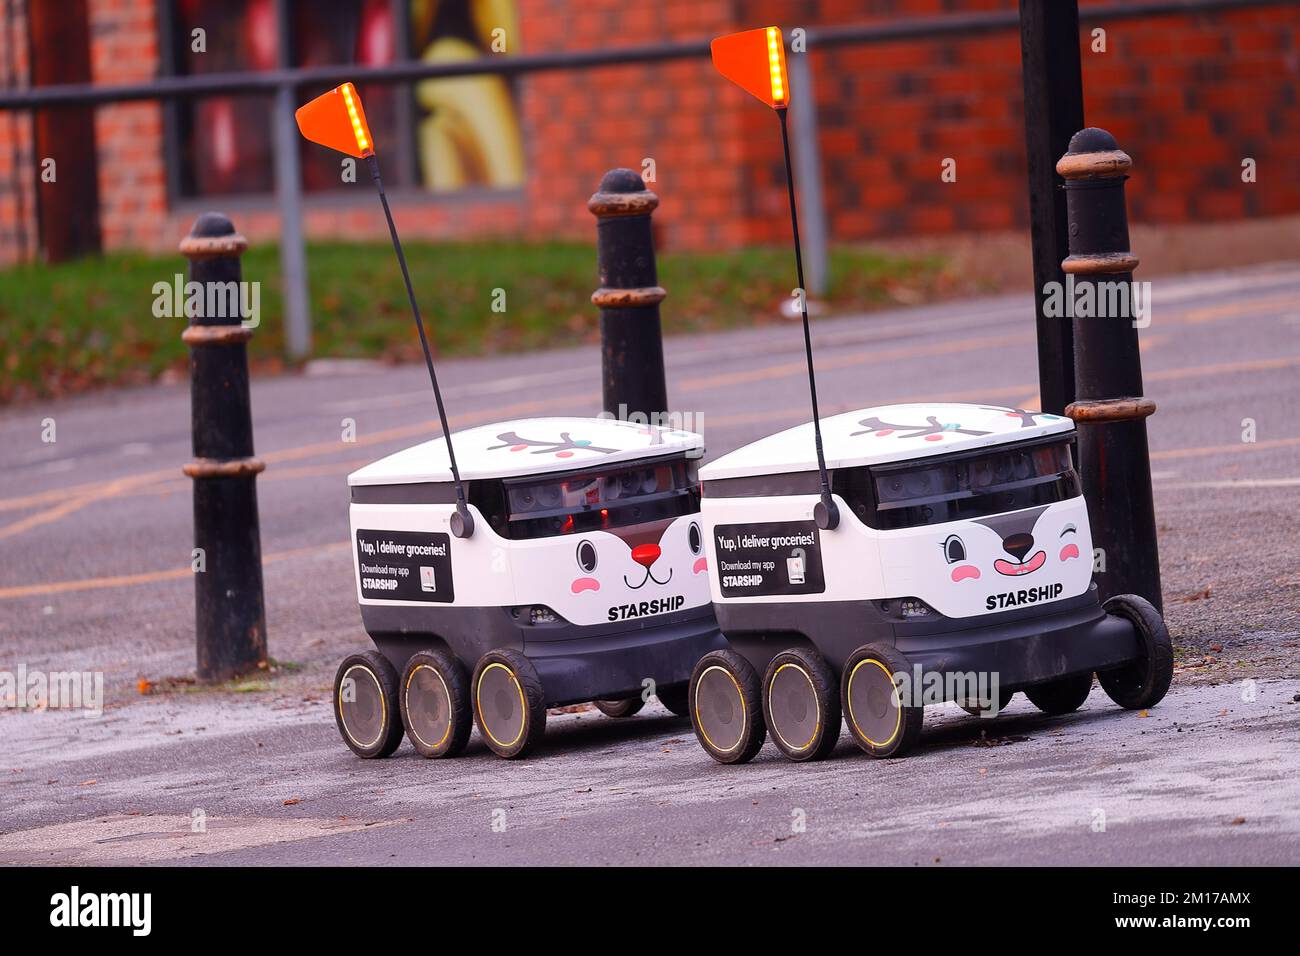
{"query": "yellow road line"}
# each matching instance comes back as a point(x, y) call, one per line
point(429, 429)
point(150, 577)
point(71, 499)
point(1243, 308)
point(864, 357)
point(1222, 368)
point(1236, 447)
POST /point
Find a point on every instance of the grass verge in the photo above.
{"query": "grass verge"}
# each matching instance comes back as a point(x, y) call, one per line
point(88, 324)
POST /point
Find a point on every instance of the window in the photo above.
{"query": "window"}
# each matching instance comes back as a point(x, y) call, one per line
point(440, 135)
point(596, 500)
point(962, 486)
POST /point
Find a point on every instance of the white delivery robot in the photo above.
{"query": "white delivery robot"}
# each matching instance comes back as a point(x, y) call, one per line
point(584, 579)
point(959, 567)
point(564, 563)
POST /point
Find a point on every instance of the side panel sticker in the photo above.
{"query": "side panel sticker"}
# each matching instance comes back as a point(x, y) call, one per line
point(776, 557)
point(405, 566)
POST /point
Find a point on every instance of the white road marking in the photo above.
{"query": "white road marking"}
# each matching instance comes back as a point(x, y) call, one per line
point(1241, 483)
point(151, 839)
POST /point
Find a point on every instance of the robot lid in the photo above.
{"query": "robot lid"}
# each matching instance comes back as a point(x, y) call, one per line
point(528, 446)
point(886, 433)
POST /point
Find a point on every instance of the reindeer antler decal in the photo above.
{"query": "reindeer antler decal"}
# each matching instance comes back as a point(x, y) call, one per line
point(564, 448)
point(1027, 418)
point(934, 431)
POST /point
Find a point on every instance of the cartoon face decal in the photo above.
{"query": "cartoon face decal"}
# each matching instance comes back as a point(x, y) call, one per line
point(587, 561)
point(995, 563)
point(1069, 543)
point(615, 574)
point(954, 552)
point(645, 554)
point(695, 540)
point(1012, 550)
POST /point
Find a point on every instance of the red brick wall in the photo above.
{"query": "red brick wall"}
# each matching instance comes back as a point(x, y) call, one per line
point(132, 180)
point(17, 176)
point(1188, 96)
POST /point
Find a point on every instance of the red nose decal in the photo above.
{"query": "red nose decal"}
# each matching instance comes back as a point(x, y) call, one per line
point(646, 554)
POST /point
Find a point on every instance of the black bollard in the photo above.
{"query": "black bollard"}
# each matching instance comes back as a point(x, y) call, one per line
point(230, 616)
point(1109, 409)
point(632, 352)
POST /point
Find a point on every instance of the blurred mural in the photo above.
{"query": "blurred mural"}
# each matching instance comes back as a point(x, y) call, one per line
point(469, 127)
point(458, 133)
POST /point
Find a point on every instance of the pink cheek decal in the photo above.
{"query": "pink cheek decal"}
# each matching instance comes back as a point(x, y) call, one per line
point(585, 584)
point(1069, 551)
point(564, 454)
point(934, 438)
point(883, 432)
point(701, 565)
point(518, 447)
point(964, 572)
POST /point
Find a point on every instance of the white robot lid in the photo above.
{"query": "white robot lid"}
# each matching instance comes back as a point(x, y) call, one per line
point(886, 433)
point(528, 446)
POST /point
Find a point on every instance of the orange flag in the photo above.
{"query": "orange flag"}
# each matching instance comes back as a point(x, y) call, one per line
point(336, 119)
point(755, 61)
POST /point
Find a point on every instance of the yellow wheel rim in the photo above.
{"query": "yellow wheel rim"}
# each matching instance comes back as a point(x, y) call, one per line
point(523, 707)
point(383, 706)
point(898, 704)
point(811, 690)
point(446, 691)
point(740, 695)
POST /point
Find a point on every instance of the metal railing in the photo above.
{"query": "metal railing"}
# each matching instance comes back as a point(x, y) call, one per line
point(286, 83)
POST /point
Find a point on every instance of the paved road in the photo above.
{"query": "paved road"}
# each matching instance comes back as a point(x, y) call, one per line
point(94, 558)
point(1206, 779)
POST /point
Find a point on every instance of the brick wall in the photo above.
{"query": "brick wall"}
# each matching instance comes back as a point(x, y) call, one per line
point(17, 179)
point(1188, 96)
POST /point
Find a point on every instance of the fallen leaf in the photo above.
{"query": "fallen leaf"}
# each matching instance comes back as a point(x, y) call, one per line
point(1144, 713)
point(291, 801)
point(1238, 822)
point(144, 685)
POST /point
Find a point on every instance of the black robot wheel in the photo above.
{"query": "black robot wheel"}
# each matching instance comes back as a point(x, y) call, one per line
point(365, 704)
point(676, 699)
point(624, 707)
point(435, 707)
point(1144, 682)
point(880, 720)
point(509, 705)
point(726, 707)
point(1061, 696)
point(973, 707)
point(801, 704)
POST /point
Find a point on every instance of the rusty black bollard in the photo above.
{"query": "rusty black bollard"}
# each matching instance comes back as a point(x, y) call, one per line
point(632, 352)
point(230, 616)
point(1109, 410)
